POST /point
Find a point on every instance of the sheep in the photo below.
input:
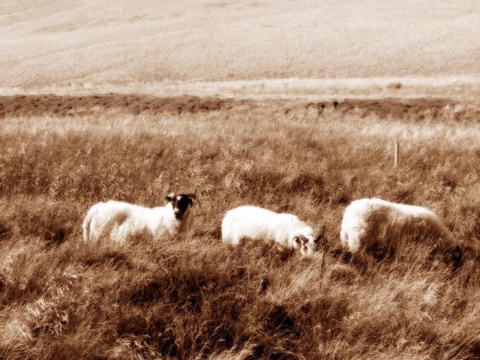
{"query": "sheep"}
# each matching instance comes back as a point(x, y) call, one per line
point(255, 223)
point(371, 222)
point(118, 220)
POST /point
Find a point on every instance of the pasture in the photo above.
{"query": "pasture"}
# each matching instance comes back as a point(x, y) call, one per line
point(295, 106)
point(197, 298)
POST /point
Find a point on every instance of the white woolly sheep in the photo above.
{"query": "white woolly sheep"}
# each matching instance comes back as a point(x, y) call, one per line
point(118, 220)
point(255, 223)
point(375, 221)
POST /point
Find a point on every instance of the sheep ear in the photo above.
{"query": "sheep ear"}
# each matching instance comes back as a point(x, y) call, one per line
point(170, 197)
point(192, 198)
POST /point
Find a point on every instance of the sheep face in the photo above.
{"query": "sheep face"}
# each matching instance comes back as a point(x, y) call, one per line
point(180, 203)
point(306, 244)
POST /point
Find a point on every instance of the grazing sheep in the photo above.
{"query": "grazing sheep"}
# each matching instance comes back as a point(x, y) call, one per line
point(368, 222)
point(118, 220)
point(251, 222)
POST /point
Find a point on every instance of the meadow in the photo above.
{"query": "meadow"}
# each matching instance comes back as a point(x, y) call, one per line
point(61, 298)
point(291, 105)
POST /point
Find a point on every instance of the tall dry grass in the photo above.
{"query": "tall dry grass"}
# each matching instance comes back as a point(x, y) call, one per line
point(61, 298)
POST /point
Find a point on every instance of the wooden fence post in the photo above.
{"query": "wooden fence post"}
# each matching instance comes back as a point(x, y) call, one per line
point(395, 154)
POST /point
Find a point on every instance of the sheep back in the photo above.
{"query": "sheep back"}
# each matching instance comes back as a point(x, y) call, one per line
point(254, 223)
point(118, 221)
point(376, 220)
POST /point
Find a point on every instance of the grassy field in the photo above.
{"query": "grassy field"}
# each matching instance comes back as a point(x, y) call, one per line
point(290, 105)
point(61, 298)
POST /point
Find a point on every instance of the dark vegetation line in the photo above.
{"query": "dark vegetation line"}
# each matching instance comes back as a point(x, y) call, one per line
point(57, 105)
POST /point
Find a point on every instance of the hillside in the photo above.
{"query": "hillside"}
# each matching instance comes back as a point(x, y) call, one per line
point(68, 42)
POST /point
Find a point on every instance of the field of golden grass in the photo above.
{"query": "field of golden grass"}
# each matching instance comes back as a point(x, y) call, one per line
point(290, 105)
point(61, 298)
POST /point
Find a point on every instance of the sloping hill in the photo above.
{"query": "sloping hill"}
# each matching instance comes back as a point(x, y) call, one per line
point(60, 42)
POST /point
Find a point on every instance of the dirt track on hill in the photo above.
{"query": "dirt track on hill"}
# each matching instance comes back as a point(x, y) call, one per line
point(61, 106)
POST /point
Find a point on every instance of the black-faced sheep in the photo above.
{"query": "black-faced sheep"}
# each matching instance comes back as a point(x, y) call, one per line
point(118, 220)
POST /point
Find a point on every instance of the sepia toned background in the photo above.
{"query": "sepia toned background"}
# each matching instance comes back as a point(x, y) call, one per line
point(295, 106)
